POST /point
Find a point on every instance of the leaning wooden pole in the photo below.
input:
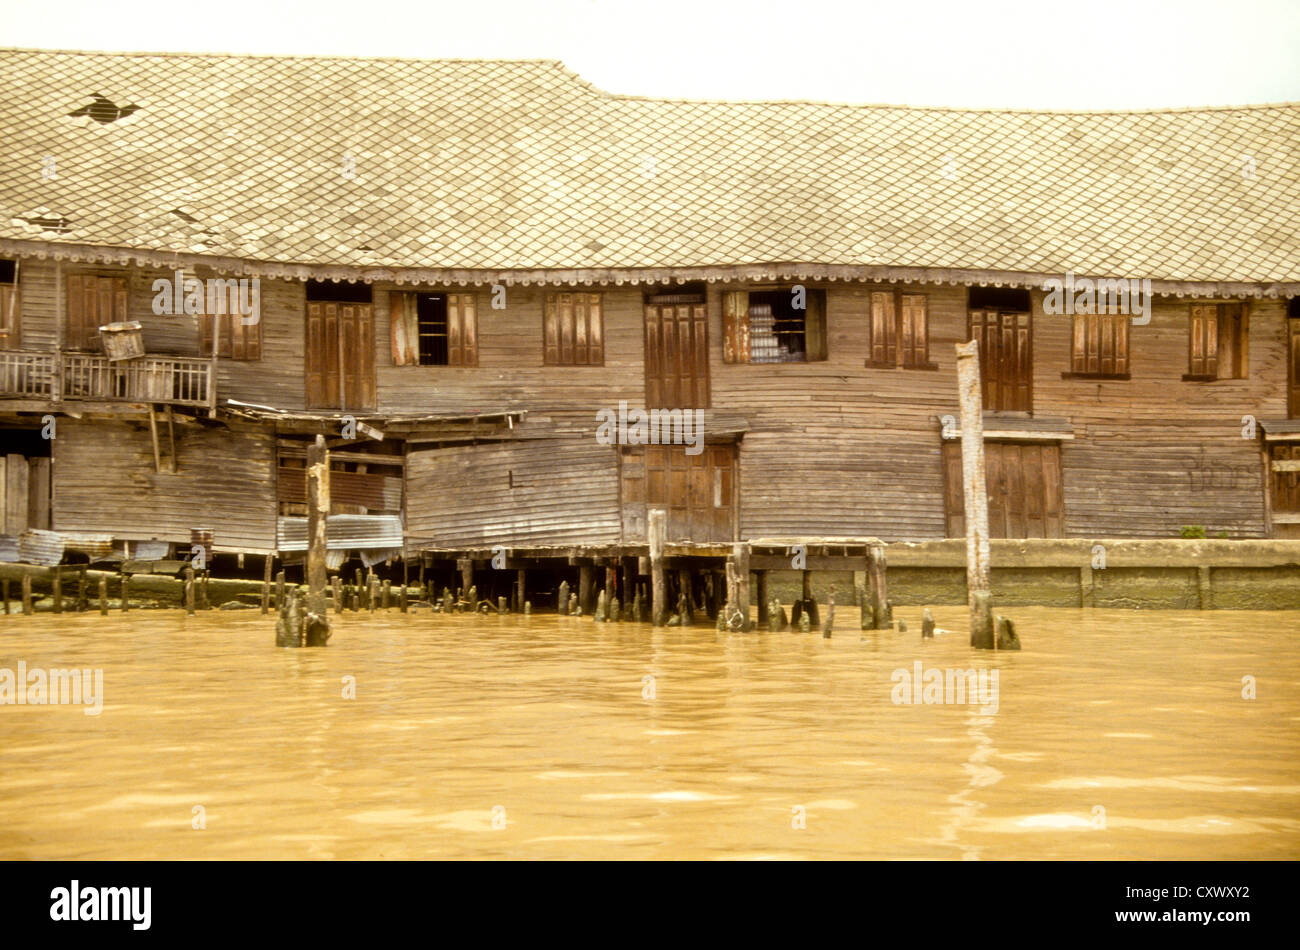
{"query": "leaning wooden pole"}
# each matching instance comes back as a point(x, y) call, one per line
point(658, 528)
point(978, 594)
point(316, 626)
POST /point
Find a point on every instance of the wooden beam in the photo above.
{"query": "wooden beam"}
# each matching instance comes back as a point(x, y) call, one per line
point(976, 495)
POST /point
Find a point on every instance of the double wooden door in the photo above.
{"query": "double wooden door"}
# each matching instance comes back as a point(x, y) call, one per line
point(1023, 481)
point(698, 492)
point(676, 356)
point(1006, 358)
point(340, 355)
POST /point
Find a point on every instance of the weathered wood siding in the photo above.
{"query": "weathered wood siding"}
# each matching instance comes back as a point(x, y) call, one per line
point(104, 482)
point(549, 491)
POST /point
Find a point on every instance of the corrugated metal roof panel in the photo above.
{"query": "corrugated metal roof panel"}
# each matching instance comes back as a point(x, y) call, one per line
point(40, 547)
point(343, 532)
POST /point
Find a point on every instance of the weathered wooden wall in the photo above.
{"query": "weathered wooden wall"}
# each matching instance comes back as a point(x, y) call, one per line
point(833, 447)
point(537, 492)
point(104, 482)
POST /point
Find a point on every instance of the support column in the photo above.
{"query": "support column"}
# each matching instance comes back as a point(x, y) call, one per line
point(658, 529)
point(978, 594)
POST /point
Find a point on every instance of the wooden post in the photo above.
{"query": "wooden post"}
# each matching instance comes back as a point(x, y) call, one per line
point(82, 593)
point(730, 618)
point(521, 595)
point(806, 606)
point(266, 584)
point(27, 592)
point(372, 595)
point(204, 604)
point(387, 593)
point(57, 585)
point(975, 495)
point(404, 600)
point(760, 593)
point(658, 529)
point(359, 580)
point(316, 622)
point(829, 624)
point(189, 590)
point(741, 555)
point(586, 585)
point(881, 615)
point(336, 586)
point(279, 591)
point(466, 566)
point(103, 595)
point(562, 599)
point(126, 592)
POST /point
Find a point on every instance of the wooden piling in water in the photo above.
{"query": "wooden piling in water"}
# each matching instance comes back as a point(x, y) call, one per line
point(760, 594)
point(404, 600)
point(27, 592)
point(562, 599)
point(204, 603)
point(189, 590)
point(829, 624)
point(266, 584)
point(279, 591)
point(316, 622)
point(658, 530)
point(501, 605)
point(336, 587)
point(466, 567)
point(741, 552)
point(126, 592)
point(975, 495)
point(586, 589)
point(386, 595)
point(521, 589)
point(82, 593)
point(882, 615)
point(57, 590)
point(372, 594)
point(601, 607)
point(103, 595)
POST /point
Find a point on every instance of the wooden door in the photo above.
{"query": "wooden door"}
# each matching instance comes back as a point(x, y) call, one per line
point(697, 491)
point(1023, 481)
point(93, 301)
point(676, 356)
point(340, 355)
point(1293, 374)
point(1006, 358)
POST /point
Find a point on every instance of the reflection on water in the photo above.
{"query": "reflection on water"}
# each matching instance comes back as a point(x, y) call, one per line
point(1117, 735)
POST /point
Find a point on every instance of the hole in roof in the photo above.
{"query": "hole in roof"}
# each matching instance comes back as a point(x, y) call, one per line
point(103, 110)
point(187, 218)
point(59, 225)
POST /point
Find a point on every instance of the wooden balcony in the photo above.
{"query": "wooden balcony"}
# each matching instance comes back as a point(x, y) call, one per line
point(169, 380)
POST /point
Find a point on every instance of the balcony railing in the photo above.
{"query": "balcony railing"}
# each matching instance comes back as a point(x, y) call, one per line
point(177, 380)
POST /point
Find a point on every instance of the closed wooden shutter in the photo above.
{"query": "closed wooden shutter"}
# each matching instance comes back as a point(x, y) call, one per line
point(322, 355)
point(93, 301)
point(735, 326)
point(573, 330)
point(814, 326)
point(676, 356)
point(884, 344)
point(1006, 358)
point(236, 339)
point(1203, 359)
point(915, 330)
point(1100, 344)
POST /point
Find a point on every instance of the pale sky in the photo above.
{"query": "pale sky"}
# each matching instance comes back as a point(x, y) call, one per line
point(1107, 54)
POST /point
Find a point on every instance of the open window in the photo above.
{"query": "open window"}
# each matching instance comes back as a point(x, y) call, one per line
point(1216, 344)
point(438, 329)
point(9, 309)
point(779, 325)
point(898, 331)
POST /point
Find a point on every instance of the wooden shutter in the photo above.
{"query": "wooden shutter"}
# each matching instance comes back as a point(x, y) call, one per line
point(1100, 344)
point(462, 330)
point(735, 326)
point(915, 343)
point(245, 338)
point(10, 317)
point(1203, 341)
point(564, 312)
point(595, 330)
point(321, 350)
point(573, 330)
point(551, 331)
point(92, 302)
point(814, 326)
point(1293, 361)
point(404, 328)
point(884, 322)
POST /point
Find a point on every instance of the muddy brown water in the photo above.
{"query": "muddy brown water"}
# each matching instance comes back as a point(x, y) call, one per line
point(1117, 734)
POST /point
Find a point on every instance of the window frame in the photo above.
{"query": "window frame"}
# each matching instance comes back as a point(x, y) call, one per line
point(462, 317)
point(1231, 312)
point(1090, 327)
point(554, 341)
point(893, 350)
point(737, 335)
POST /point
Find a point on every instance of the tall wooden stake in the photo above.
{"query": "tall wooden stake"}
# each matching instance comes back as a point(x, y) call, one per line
point(740, 553)
point(316, 624)
point(976, 496)
point(658, 527)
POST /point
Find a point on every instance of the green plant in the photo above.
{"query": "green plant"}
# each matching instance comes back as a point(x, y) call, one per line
point(1192, 531)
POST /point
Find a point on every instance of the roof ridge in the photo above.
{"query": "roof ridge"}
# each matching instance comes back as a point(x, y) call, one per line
point(578, 78)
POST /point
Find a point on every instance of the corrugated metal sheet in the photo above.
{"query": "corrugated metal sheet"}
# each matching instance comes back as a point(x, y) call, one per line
point(95, 546)
point(40, 547)
point(8, 548)
point(343, 532)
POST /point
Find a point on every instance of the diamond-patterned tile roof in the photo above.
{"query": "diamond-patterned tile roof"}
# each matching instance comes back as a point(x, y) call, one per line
point(510, 165)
